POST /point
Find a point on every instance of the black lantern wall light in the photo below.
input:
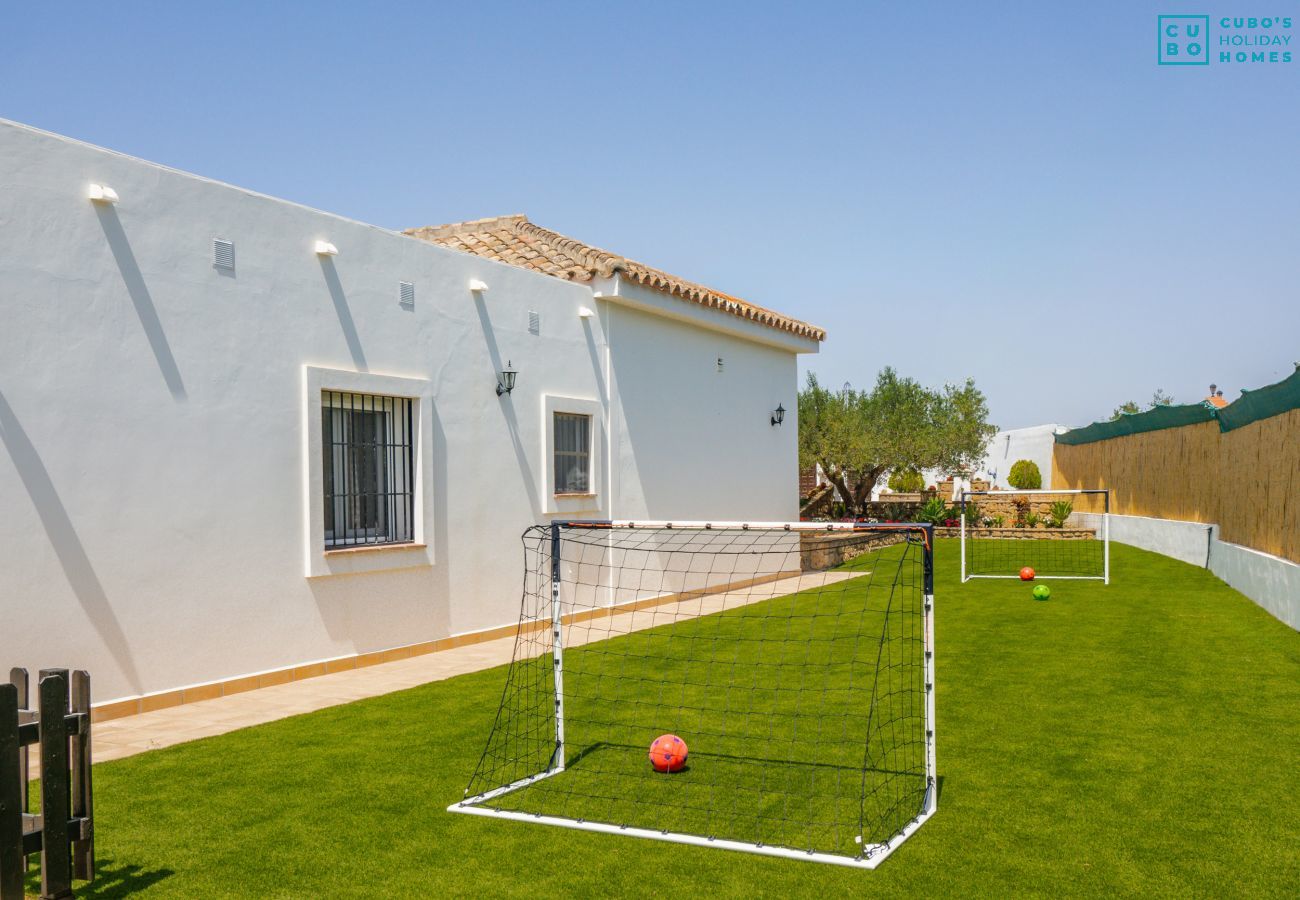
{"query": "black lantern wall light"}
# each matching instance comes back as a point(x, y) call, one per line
point(506, 379)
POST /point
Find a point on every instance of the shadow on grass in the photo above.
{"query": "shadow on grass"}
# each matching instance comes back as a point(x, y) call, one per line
point(112, 879)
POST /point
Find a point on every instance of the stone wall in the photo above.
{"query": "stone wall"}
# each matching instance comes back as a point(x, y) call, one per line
point(822, 550)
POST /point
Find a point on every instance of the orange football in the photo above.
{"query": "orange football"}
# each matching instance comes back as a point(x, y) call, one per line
point(1026, 574)
point(668, 753)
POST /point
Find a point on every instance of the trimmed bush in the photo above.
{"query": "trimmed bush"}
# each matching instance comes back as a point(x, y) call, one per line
point(1025, 475)
point(906, 481)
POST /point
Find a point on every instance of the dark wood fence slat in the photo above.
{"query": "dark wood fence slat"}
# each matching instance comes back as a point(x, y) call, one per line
point(83, 850)
point(12, 862)
point(18, 678)
point(56, 853)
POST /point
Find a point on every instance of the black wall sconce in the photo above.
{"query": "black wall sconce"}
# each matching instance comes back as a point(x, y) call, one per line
point(778, 415)
point(506, 379)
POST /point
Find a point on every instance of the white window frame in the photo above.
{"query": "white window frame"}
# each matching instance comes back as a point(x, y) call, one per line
point(322, 560)
point(587, 504)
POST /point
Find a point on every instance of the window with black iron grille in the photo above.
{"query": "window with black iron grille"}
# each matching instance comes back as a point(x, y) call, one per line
point(369, 469)
point(572, 436)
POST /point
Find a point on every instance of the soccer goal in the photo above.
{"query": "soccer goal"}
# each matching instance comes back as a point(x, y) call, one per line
point(796, 662)
point(1058, 534)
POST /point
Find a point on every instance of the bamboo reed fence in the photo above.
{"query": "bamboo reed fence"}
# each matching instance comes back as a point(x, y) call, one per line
point(1246, 480)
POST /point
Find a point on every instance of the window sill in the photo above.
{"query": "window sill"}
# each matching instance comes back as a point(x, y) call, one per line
point(579, 496)
point(372, 548)
point(371, 559)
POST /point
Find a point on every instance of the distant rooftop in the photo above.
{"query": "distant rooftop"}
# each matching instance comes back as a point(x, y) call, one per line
point(517, 241)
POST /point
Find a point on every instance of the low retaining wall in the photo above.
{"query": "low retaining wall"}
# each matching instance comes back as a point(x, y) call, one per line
point(1022, 534)
point(1187, 542)
point(1270, 581)
point(821, 550)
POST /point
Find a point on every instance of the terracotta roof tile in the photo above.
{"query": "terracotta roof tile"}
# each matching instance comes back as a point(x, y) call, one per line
point(517, 241)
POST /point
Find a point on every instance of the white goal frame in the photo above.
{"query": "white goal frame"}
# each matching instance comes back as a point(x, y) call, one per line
point(1104, 577)
point(872, 854)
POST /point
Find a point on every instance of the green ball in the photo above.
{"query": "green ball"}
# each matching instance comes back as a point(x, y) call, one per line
point(1042, 592)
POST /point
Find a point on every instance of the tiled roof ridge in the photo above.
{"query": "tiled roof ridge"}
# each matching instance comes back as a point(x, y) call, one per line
point(559, 255)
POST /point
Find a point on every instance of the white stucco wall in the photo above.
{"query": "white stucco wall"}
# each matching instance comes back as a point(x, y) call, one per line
point(1185, 541)
point(1033, 443)
point(1272, 582)
point(153, 409)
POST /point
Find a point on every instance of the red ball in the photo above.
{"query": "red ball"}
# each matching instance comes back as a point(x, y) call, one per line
point(1026, 574)
point(668, 753)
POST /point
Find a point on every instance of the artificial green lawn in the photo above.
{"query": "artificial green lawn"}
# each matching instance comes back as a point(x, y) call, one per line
point(1139, 739)
point(804, 714)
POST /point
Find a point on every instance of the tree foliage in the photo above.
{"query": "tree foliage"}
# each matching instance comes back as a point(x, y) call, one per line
point(1158, 398)
point(899, 424)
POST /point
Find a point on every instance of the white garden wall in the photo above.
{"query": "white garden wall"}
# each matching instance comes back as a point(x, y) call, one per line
point(1270, 581)
point(154, 447)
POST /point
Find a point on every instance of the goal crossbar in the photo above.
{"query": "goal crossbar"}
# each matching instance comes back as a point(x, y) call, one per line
point(564, 576)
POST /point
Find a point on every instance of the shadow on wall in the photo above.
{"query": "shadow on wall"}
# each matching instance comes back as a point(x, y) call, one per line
point(139, 292)
point(379, 611)
point(363, 618)
point(67, 546)
point(344, 313)
point(512, 420)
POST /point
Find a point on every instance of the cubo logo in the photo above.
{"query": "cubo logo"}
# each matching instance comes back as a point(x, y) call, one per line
point(1183, 40)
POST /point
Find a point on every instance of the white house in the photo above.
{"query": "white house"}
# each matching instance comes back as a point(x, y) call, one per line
point(243, 441)
point(1033, 443)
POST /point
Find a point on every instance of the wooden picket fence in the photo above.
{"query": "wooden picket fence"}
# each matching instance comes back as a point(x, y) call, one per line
point(62, 833)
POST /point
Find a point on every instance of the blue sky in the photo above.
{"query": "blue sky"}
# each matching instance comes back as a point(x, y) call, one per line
point(1000, 190)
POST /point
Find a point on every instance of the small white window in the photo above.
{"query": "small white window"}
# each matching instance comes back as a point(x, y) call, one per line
point(572, 453)
point(573, 448)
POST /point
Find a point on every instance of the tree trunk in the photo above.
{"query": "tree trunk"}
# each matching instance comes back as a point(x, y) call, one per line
point(836, 477)
point(866, 484)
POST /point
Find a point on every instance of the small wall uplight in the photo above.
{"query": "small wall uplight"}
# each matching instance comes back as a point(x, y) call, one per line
point(325, 248)
point(778, 415)
point(584, 313)
point(506, 379)
point(477, 286)
point(99, 193)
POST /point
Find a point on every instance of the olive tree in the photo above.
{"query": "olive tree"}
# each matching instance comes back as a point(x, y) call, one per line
point(859, 436)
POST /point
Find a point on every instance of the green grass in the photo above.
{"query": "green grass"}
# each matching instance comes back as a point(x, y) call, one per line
point(1136, 739)
point(777, 699)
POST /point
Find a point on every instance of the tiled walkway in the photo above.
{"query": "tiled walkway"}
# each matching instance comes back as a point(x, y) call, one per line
point(127, 736)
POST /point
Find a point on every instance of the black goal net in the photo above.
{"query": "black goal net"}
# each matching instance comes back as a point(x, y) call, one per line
point(794, 664)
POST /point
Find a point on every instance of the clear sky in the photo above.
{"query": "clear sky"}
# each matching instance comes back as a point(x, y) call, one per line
point(1011, 191)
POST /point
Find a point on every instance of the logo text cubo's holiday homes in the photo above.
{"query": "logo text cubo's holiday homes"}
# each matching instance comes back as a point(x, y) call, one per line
point(1186, 40)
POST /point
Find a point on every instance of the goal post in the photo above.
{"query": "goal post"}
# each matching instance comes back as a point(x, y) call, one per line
point(1061, 534)
point(796, 661)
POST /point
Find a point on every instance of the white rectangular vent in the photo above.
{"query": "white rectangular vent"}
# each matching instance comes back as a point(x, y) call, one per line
point(534, 322)
point(223, 254)
point(406, 294)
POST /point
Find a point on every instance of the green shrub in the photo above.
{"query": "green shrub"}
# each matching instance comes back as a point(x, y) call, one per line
point(1058, 512)
point(933, 511)
point(1031, 520)
point(1025, 475)
point(906, 481)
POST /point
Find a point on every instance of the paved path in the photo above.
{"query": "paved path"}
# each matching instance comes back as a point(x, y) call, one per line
point(149, 731)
